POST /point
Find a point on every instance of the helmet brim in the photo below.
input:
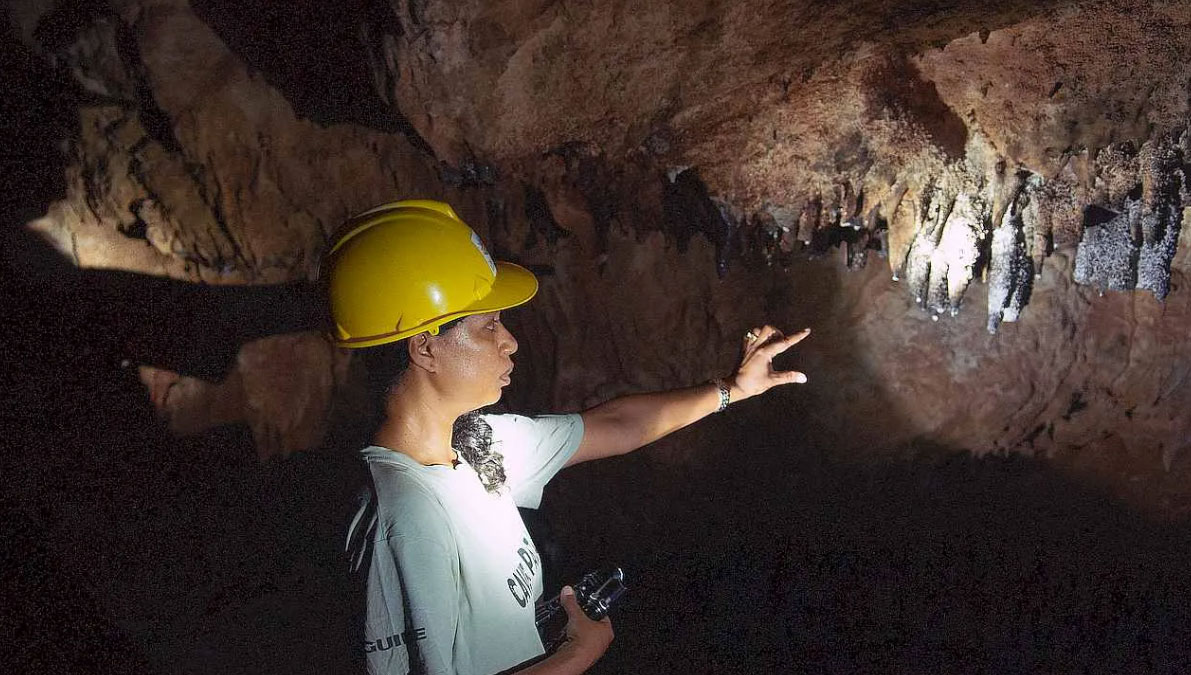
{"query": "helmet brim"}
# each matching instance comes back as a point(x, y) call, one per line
point(514, 285)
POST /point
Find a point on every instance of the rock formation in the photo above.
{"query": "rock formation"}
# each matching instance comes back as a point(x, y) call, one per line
point(976, 206)
point(676, 175)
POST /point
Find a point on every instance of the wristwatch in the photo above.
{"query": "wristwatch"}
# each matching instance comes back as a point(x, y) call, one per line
point(725, 393)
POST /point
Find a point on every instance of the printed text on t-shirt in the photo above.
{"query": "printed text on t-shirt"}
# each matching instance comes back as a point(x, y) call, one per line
point(521, 582)
point(394, 640)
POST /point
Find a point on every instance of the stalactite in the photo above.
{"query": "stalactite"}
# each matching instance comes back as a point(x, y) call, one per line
point(1131, 201)
point(934, 209)
point(1107, 255)
point(1133, 246)
point(1163, 181)
point(953, 261)
point(1010, 269)
point(808, 220)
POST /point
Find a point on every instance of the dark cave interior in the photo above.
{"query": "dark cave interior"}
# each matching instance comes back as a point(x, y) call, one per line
point(801, 532)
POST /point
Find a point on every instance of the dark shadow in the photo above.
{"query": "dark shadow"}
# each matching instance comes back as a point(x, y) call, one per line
point(316, 54)
point(956, 564)
point(122, 542)
point(946, 564)
point(898, 89)
point(136, 319)
point(688, 209)
point(135, 550)
point(33, 124)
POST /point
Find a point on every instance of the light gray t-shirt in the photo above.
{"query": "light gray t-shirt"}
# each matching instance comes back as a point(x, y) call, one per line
point(452, 574)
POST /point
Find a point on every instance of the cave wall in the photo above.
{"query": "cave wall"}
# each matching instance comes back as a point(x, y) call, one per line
point(976, 207)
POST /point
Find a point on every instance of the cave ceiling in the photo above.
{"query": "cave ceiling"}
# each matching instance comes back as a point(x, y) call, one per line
point(912, 129)
point(910, 177)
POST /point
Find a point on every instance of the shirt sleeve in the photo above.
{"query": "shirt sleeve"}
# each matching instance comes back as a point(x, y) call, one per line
point(412, 606)
point(534, 450)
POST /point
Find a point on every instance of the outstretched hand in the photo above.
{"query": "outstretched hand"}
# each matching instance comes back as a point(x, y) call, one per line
point(756, 374)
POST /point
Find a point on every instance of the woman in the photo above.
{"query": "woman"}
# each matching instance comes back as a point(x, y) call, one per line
point(451, 573)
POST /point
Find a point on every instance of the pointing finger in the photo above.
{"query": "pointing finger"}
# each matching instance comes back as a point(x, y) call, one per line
point(775, 348)
point(799, 336)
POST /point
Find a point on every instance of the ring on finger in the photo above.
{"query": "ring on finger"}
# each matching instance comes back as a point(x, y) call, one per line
point(752, 336)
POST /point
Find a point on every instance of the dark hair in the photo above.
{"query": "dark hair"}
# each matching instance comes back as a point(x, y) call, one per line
point(471, 436)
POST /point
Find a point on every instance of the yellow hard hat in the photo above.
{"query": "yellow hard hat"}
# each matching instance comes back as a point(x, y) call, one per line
point(411, 266)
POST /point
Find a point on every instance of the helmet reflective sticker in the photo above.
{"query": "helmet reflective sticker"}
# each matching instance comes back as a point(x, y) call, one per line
point(475, 240)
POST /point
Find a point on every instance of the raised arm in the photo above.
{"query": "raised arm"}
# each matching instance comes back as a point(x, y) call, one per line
point(629, 422)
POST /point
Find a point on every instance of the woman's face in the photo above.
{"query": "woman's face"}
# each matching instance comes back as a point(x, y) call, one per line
point(478, 360)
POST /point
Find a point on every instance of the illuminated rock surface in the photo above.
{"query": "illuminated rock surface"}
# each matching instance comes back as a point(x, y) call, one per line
point(976, 207)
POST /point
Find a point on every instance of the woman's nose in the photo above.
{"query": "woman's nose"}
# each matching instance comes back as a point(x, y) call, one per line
point(509, 343)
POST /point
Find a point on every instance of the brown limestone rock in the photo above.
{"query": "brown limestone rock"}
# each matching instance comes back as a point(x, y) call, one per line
point(965, 146)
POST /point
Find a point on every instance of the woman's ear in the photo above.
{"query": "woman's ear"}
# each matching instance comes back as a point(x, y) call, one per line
point(422, 352)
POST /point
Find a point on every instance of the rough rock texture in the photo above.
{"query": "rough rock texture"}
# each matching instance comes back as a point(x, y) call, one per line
point(675, 173)
point(280, 386)
point(185, 164)
point(966, 144)
point(670, 173)
point(783, 110)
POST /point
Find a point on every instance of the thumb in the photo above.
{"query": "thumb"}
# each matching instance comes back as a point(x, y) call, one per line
point(791, 377)
point(569, 602)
